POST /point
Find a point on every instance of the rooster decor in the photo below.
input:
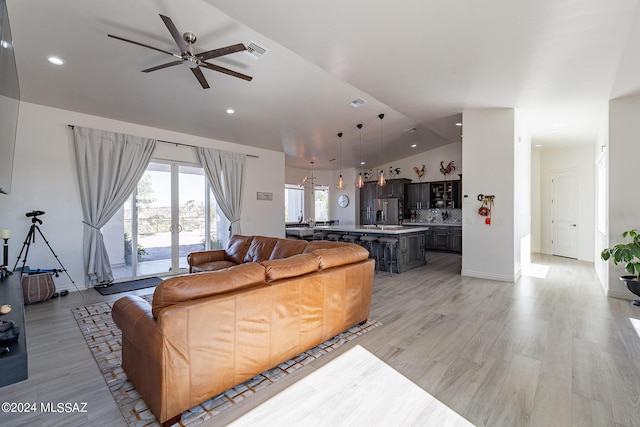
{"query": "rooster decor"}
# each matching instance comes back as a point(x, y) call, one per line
point(419, 172)
point(445, 170)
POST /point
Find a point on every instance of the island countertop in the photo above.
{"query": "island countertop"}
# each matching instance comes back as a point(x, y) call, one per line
point(380, 229)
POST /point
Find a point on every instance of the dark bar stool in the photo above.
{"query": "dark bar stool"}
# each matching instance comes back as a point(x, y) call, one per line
point(319, 235)
point(349, 238)
point(368, 242)
point(333, 237)
point(390, 244)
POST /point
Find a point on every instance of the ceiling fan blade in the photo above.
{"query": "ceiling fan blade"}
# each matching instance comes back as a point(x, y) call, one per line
point(182, 44)
point(226, 71)
point(143, 45)
point(215, 53)
point(160, 67)
point(198, 73)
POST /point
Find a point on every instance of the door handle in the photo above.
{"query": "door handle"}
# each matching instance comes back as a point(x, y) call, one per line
point(574, 225)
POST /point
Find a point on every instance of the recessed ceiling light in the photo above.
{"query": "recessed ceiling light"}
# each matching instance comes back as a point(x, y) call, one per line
point(55, 60)
point(230, 111)
point(5, 44)
point(362, 163)
point(538, 145)
point(414, 145)
point(458, 124)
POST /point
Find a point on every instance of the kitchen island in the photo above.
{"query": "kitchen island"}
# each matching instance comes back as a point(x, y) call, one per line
point(410, 252)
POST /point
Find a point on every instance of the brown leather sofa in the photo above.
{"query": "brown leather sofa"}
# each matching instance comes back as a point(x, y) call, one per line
point(249, 308)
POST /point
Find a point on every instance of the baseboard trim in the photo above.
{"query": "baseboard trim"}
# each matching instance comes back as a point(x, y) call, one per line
point(484, 275)
point(621, 295)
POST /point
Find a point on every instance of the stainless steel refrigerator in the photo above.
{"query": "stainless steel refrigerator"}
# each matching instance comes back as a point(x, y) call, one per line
point(388, 211)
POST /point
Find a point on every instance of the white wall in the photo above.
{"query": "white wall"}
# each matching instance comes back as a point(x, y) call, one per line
point(580, 158)
point(535, 201)
point(522, 195)
point(601, 155)
point(624, 205)
point(489, 159)
point(45, 179)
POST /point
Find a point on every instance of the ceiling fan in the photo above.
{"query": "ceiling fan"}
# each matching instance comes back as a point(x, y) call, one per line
point(189, 56)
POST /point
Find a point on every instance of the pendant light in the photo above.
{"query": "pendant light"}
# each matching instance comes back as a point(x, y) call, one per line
point(360, 182)
point(310, 181)
point(381, 181)
point(340, 185)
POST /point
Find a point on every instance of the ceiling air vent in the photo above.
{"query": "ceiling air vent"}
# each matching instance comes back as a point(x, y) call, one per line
point(411, 129)
point(357, 102)
point(255, 50)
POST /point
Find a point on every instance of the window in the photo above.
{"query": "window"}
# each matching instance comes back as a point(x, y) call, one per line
point(321, 199)
point(170, 214)
point(293, 203)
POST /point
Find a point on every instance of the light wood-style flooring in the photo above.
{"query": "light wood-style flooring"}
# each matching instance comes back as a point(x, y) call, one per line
point(540, 352)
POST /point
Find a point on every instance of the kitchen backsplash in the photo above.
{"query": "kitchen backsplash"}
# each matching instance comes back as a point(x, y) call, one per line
point(438, 215)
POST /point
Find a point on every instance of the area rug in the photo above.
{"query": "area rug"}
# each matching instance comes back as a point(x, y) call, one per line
point(130, 285)
point(104, 341)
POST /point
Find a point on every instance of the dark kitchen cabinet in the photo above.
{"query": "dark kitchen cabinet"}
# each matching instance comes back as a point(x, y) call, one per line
point(394, 188)
point(455, 239)
point(441, 238)
point(367, 203)
point(446, 238)
point(417, 195)
point(445, 194)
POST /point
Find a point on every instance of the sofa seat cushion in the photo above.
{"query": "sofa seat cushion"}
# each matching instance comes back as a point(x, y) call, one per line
point(200, 285)
point(296, 265)
point(212, 266)
point(347, 253)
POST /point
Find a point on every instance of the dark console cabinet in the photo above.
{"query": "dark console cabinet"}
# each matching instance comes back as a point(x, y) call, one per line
point(13, 365)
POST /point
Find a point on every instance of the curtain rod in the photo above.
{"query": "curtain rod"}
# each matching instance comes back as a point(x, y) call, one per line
point(184, 145)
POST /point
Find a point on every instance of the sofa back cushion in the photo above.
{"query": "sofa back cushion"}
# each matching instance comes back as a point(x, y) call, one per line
point(347, 253)
point(285, 248)
point(260, 249)
point(237, 248)
point(200, 285)
point(293, 266)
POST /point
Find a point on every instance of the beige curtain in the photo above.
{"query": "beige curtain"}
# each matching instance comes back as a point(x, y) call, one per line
point(109, 167)
point(225, 172)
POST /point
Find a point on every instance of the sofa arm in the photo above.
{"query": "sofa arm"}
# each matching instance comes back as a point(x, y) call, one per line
point(202, 257)
point(133, 317)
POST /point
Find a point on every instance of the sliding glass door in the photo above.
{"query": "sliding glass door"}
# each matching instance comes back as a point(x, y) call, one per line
point(170, 214)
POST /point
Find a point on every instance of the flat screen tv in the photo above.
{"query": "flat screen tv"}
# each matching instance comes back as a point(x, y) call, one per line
point(9, 101)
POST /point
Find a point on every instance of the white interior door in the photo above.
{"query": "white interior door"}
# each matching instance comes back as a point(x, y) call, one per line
point(565, 213)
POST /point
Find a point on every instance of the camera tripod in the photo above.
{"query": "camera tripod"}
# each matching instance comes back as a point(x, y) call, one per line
point(31, 237)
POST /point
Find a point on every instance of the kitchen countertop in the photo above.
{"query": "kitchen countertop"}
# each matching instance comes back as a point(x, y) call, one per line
point(433, 224)
point(381, 229)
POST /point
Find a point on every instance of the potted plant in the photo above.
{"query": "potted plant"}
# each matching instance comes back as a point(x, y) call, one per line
point(629, 254)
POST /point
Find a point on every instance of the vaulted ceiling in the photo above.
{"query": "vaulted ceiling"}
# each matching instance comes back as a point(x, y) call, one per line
point(421, 63)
